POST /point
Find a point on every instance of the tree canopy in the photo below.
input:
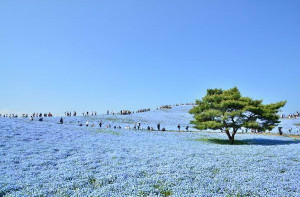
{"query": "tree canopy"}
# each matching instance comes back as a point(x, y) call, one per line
point(229, 111)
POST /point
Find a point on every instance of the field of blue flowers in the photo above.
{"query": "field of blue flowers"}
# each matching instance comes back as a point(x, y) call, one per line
point(49, 159)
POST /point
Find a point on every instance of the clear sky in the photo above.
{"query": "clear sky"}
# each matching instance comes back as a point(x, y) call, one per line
point(60, 55)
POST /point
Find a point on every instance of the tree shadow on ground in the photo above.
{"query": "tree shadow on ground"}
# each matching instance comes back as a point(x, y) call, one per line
point(271, 142)
point(255, 141)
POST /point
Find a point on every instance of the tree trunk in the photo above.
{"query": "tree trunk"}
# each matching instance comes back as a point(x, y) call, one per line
point(233, 134)
point(231, 137)
point(228, 135)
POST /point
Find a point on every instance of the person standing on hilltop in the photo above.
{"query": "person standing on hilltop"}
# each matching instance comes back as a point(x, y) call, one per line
point(158, 126)
point(61, 121)
point(178, 127)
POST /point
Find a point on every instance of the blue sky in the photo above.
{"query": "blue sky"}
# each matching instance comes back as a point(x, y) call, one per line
point(96, 55)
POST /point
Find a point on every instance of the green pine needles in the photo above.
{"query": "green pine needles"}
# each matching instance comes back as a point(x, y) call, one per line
point(229, 111)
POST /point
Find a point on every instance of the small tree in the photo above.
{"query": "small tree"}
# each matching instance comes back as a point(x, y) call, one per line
point(228, 111)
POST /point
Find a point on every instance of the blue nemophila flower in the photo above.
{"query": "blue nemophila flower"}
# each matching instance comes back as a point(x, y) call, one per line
point(56, 160)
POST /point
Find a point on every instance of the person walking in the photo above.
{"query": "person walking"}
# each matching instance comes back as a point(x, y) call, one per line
point(178, 127)
point(139, 126)
point(158, 126)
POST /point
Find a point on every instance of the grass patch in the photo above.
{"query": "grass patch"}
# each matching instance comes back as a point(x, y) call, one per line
point(215, 171)
point(222, 141)
point(162, 191)
point(282, 171)
point(107, 131)
point(112, 119)
point(92, 180)
point(298, 124)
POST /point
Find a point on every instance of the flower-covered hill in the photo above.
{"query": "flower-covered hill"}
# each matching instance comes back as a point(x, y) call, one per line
point(50, 159)
point(168, 118)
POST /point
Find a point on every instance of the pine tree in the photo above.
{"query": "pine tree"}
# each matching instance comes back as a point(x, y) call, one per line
point(229, 111)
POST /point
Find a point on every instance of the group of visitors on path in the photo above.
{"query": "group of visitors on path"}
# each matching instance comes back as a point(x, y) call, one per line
point(136, 126)
point(294, 115)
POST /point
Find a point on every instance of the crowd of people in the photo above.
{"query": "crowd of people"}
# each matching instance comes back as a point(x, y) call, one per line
point(136, 126)
point(49, 114)
point(128, 112)
point(39, 115)
point(170, 106)
point(94, 113)
point(294, 115)
point(165, 107)
point(142, 110)
point(9, 115)
point(69, 113)
point(125, 112)
point(185, 104)
point(26, 115)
